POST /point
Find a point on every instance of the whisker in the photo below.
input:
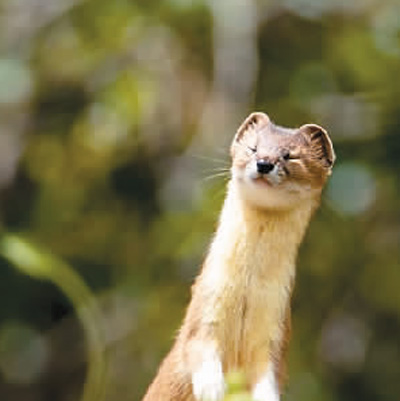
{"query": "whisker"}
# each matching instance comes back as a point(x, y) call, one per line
point(223, 174)
point(212, 159)
point(213, 170)
point(218, 169)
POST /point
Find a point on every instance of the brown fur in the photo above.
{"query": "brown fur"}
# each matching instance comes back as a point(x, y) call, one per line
point(240, 306)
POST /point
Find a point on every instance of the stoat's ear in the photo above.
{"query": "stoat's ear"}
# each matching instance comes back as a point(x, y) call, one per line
point(321, 144)
point(253, 122)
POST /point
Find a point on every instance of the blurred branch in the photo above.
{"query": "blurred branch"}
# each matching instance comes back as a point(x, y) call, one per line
point(235, 48)
point(43, 266)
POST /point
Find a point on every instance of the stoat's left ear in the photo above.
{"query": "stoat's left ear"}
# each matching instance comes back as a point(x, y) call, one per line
point(321, 144)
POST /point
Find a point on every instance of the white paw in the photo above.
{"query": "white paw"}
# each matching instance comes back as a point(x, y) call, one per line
point(267, 388)
point(208, 381)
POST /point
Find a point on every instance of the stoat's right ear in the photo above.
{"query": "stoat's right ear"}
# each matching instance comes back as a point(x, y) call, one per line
point(253, 122)
point(247, 132)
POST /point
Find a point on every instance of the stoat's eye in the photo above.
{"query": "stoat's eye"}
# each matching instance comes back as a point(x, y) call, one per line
point(252, 149)
point(290, 155)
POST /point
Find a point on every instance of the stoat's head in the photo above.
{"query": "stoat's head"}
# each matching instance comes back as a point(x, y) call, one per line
point(275, 167)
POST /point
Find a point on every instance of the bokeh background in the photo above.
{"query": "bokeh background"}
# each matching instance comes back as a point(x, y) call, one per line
point(115, 122)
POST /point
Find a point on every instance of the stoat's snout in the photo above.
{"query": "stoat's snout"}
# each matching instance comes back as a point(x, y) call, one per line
point(263, 171)
point(264, 166)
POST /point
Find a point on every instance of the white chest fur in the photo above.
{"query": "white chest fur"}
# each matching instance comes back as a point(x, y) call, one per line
point(248, 275)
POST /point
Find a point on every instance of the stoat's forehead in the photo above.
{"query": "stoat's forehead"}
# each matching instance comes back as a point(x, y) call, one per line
point(271, 140)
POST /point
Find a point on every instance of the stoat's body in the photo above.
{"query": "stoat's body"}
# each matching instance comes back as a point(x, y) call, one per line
point(239, 315)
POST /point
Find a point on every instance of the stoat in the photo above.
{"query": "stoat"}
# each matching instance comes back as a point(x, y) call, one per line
point(239, 315)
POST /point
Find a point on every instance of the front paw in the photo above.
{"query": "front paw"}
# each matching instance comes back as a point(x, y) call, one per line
point(208, 381)
point(267, 388)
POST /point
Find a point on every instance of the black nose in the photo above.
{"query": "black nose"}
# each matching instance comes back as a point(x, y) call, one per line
point(264, 166)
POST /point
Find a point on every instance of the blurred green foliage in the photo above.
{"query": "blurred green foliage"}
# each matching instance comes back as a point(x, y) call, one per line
point(116, 119)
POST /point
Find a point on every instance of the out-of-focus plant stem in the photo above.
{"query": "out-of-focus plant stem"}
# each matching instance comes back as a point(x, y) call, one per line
point(41, 265)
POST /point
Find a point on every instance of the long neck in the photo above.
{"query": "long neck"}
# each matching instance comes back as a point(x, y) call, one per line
point(257, 242)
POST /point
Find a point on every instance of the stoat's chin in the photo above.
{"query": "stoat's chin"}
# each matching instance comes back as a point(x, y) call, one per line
point(263, 192)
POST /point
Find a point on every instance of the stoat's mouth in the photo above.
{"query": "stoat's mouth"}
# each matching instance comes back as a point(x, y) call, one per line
point(255, 179)
point(261, 179)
